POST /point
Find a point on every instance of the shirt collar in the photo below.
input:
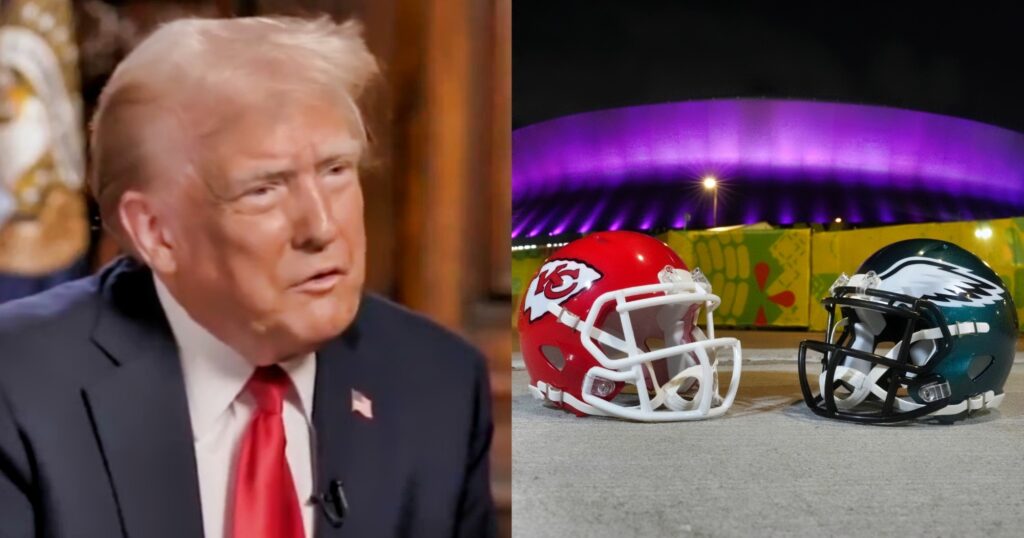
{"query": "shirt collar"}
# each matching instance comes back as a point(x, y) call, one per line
point(215, 373)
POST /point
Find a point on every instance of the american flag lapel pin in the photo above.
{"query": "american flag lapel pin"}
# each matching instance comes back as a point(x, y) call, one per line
point(361, 404)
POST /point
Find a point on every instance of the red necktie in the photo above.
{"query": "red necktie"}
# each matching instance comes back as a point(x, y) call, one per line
point(265, 504)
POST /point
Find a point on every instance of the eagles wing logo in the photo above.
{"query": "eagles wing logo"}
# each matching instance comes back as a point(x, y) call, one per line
point(940, 282)
point(556, 282)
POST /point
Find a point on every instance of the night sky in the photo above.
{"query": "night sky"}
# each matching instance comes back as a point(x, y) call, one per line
point(962, 59)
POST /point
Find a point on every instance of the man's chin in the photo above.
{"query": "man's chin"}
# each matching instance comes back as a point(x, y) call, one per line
point(343, 301)
point(314, 331)
point(300, 341)
point(306, 328)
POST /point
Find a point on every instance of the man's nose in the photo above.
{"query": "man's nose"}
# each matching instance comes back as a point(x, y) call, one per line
point(315, 226)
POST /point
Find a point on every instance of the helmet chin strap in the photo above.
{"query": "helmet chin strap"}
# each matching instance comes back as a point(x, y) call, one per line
point(854, 378)
point(864, 385)
point(668, 394)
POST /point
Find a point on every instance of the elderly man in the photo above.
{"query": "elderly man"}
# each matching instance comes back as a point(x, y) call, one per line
point(229, 377)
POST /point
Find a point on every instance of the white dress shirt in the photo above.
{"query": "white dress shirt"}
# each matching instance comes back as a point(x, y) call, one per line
point(215, 376)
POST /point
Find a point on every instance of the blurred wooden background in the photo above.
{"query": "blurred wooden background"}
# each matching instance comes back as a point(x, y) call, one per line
point(437, 208)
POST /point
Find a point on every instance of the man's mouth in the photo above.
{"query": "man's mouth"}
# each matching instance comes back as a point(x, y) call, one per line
point(322, 281)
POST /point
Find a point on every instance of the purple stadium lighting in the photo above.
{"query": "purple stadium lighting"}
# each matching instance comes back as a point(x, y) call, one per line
point(564, 223)
point(786, 162)
point(650, 216)
point(680, 220)
point(521, 218)
point(588, 224)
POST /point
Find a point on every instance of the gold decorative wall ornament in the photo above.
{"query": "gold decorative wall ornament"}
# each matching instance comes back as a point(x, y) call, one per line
point(42, 211)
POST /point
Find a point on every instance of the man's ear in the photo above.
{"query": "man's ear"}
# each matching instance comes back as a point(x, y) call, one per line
point(147, 229)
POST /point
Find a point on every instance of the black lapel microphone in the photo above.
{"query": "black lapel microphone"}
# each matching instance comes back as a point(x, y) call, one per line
point(333, 503)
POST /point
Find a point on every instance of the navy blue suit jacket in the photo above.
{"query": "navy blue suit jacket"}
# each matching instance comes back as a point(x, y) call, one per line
point(96, 440)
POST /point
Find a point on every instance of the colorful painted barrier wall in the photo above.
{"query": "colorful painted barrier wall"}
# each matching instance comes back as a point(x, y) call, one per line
point(776, 278)
point(762, 276)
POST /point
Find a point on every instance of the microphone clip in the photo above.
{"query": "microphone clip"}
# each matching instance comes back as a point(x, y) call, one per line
point(333, 503)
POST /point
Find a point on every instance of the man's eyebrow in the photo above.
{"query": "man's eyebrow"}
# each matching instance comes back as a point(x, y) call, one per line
point(332, 152)
point(339, 150)
point(257, 174)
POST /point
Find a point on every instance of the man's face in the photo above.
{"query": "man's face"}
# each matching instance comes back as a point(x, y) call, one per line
point(269, 239)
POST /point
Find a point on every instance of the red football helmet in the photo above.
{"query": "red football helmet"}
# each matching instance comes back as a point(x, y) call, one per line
point(620, 307)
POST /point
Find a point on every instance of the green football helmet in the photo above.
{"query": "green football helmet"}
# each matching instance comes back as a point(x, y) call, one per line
point(925, 328)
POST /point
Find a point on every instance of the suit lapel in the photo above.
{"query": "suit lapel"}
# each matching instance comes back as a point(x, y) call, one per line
point(140, 411)
point(358, 451)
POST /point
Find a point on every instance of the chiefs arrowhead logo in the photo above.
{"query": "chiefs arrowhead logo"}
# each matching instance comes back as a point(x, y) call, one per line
point(556, 282)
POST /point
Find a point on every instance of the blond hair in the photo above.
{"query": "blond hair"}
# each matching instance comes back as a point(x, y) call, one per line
point(185, 80)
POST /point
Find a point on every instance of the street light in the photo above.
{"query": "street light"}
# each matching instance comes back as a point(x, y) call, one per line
point(711, 184)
